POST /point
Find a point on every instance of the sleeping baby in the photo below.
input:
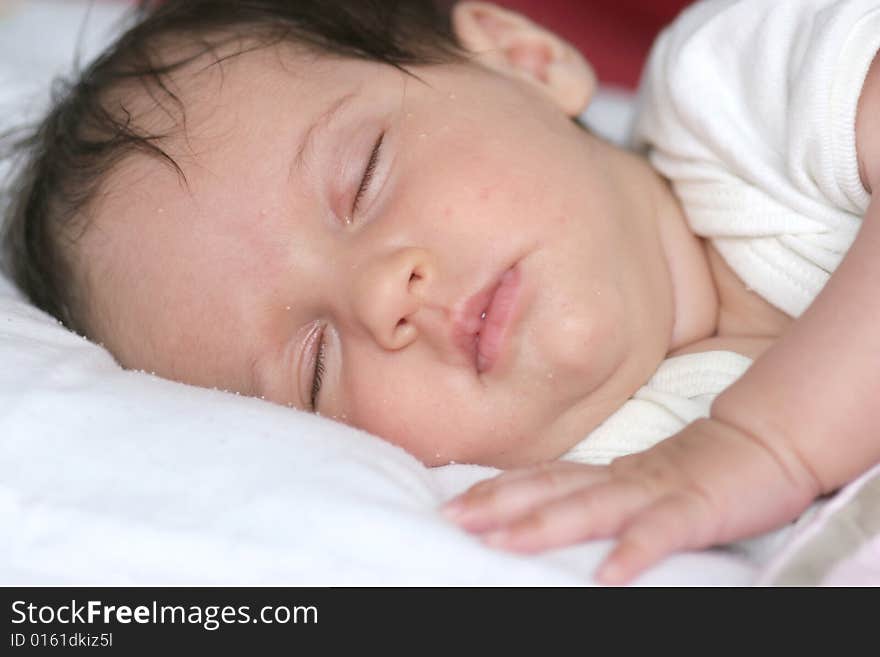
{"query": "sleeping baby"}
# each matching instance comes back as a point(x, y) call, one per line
point(387, 216)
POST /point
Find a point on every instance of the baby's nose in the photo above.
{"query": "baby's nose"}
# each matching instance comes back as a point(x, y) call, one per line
point(389, 290)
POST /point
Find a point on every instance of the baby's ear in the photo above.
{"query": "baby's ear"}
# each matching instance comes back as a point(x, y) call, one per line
point(510, 43)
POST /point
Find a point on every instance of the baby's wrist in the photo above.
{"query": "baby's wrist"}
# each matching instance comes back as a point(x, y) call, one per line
point(758, 424)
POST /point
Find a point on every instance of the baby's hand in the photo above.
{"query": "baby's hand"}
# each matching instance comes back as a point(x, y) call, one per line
point(708, 484)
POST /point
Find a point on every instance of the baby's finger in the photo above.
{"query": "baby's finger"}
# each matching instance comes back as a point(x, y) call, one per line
point(548, 469)
point(499, 501)
point(594, 512)
point(677, 522)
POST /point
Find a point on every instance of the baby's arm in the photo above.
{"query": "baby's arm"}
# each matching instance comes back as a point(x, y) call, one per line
point(815, 393)
point(804, 420)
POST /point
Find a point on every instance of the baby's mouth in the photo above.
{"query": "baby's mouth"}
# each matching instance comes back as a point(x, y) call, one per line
point(497, 319)
point(476, 349)
point(481, 325)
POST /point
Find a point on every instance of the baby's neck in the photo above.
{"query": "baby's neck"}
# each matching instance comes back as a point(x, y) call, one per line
point(710, 300)
point(695, 297)
point(741, 311)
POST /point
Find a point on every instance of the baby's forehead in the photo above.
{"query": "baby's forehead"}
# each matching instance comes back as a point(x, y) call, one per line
point(200, 115)
point(182, 80)
point(188, 109)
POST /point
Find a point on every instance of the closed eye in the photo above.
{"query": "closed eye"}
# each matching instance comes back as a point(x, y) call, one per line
point(369, 171)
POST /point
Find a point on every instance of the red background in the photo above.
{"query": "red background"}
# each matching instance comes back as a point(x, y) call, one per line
point(615, 35)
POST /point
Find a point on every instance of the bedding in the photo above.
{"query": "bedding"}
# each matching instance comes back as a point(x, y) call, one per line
point(837, 545)
point(113, 477)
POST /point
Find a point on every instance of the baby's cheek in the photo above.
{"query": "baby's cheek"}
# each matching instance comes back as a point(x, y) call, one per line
point(426, 415)
point(395, 412)
point(578, 343)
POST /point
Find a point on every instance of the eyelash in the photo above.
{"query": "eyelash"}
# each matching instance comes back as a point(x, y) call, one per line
point(318, 377)
point(369, 171)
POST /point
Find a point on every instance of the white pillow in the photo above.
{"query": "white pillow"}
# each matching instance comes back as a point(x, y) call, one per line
point(116, 477)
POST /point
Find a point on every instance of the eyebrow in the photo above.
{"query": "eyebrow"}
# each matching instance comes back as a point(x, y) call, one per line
point(324, 119)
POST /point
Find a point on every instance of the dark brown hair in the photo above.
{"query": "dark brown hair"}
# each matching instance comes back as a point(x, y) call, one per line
point(62, 162)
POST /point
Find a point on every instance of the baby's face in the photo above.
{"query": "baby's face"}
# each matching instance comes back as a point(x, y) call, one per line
point(457, 263)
